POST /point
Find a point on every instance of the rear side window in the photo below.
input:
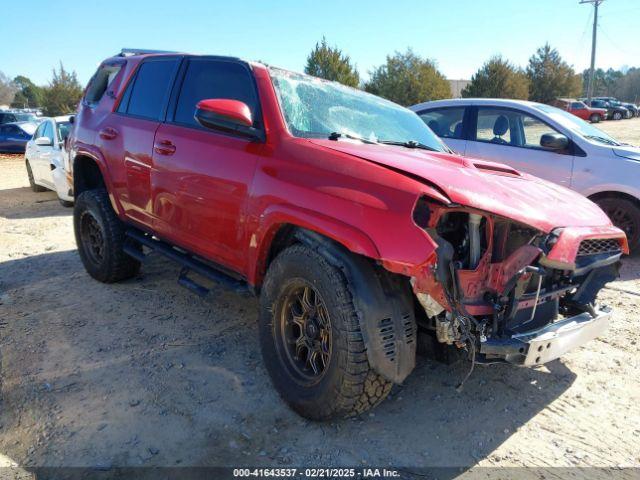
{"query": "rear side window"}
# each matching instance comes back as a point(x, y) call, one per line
point(206, 79)
point(100, 82)
point(147, 94)
point(445, 122)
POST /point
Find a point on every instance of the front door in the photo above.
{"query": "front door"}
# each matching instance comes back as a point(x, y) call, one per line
point(512, 137)
point(201, 177)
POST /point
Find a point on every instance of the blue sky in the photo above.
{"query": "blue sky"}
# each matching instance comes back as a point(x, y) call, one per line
point(459, 34)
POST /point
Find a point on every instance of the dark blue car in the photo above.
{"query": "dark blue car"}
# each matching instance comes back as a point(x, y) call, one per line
point(14, 136)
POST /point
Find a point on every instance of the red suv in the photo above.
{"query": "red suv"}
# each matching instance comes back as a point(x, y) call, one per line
point(362, 234)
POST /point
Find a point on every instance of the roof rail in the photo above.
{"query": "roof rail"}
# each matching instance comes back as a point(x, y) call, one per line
point(127, 52)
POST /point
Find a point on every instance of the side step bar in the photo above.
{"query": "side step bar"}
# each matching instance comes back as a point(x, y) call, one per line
point(188, 262)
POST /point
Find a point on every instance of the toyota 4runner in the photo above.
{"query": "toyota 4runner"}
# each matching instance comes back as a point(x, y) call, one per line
point(362, 234)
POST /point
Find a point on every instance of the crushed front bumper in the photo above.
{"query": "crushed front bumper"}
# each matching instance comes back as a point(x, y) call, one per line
point(549, 342)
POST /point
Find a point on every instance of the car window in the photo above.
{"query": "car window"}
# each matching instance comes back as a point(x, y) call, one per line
point(533, 130)
point(100, 82)
point(445, 122)
point(48, 131)
point(38, 132)
point(511, 127)
point(150, 89)
point(577, 105)
point(494, 125)
point(63, 130)
point(214, 79)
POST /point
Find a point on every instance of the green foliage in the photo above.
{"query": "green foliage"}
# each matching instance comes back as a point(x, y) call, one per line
point(29, 95)
point(498, 78)
point(62, 95)
point(407, 79)
point(331, 64)
point(551, 77)
point(627, 87)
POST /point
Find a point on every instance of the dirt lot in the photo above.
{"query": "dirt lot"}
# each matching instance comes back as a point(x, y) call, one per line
point(145, 373)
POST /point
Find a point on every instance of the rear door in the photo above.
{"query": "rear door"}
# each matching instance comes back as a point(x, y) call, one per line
point(512, 137)
point(126, 136)
point(201, 177)
point(448, 123)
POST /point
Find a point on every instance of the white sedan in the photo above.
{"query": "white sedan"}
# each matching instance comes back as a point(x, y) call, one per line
point(546, 142)
point(47, 160)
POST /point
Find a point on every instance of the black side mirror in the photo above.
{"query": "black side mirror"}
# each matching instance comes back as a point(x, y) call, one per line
point(72, 119)
point(554, 141)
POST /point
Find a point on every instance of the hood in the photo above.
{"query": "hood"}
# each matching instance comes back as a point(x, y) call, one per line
point(627, 151)
point(487, 186)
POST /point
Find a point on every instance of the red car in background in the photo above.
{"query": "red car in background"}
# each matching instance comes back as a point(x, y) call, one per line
point(582, 110)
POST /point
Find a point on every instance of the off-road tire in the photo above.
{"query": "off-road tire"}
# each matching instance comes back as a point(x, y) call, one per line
point(595, 118)
point(34, 186)
point(624, 214)
point(113, 265)
point(349, 386)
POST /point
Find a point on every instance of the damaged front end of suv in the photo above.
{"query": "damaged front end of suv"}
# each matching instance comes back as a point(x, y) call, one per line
point(504, 291)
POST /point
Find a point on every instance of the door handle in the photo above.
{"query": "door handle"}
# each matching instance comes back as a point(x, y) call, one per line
point(108, 133)
point(164, 147)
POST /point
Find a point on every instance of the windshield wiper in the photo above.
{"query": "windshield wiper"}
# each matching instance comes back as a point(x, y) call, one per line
point(409, 144)
point(603, 140)
point(337, 135)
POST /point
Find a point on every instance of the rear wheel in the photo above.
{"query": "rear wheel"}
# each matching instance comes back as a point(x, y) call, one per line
point(595, 118)
point(34, 186)
point(100, 236)
point(625, 215)
point(311, 340)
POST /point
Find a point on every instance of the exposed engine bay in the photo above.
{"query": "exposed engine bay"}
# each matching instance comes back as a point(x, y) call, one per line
point(500, 291)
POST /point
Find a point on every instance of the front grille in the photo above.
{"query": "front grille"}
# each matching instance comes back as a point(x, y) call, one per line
point(595, 246)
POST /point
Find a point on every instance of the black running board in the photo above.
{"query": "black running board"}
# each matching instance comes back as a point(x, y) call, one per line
point(189, 264)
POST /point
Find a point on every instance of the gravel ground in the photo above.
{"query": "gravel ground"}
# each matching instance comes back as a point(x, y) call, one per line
point(143, 373)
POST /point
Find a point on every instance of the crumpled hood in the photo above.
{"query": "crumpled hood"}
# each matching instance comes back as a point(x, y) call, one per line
point(487, 186)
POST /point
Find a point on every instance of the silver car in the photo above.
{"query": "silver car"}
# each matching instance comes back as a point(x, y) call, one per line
point(546, 142)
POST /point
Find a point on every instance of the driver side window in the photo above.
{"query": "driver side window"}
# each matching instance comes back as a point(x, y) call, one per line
point(510, 128)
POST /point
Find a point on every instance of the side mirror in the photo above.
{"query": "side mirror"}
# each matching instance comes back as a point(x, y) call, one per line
point(554, 141)
point(226, 115)
point(72, 119)
point(44, 142)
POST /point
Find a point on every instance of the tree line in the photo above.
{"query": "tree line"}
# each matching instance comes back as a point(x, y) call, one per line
point(405, 78)
point(60, 96)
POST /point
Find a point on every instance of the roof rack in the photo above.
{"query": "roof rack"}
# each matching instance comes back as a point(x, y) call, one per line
point(128, 52)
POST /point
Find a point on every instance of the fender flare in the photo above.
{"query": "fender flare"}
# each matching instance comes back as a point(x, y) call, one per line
point(95, 155)
point(384, 306)
point(275, 216)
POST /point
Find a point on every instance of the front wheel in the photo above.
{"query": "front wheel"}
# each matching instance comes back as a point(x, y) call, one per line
point(617, 116)
point(625, 215)
point(311, 340)
point(100, 236)
point(595, 118)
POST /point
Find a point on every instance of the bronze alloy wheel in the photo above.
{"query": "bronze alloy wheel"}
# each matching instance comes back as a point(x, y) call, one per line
point(305, 330)
point(92, 238)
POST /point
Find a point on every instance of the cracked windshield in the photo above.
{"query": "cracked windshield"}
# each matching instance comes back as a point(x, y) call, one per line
point(321, 109)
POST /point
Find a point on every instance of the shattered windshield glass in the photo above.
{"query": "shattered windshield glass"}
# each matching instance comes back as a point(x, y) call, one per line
point(317, 108)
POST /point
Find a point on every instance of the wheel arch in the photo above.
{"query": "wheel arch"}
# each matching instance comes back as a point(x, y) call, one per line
point(280, 228)
point(90, 172)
